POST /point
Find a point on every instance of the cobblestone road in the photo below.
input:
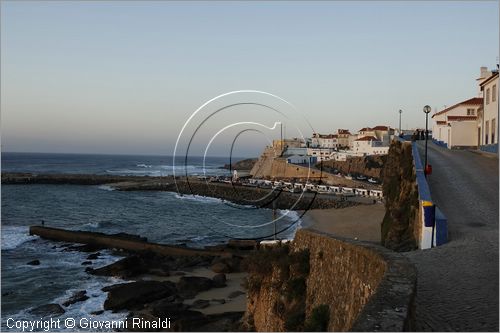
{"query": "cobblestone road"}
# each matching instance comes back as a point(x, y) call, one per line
point(458, 282)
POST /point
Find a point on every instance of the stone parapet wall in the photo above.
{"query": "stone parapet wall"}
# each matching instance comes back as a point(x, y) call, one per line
point(365, 287)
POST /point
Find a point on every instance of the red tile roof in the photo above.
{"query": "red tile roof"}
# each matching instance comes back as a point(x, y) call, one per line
point(368, 138)
point(470, 101)
point(364, 129)
point(381, 128)
point(343, 131)
point(460, 118)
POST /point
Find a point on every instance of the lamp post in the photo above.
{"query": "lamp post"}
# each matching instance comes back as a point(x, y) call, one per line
point(427, 110)
point(400, 112)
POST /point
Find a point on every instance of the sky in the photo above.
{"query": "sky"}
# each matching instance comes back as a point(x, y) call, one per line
point(124, 77)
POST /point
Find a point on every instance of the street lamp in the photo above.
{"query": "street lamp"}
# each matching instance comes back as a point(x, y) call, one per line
point(400, 111)
point(427, 110)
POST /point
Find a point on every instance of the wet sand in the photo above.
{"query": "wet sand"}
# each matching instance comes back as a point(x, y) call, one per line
point(360, 222)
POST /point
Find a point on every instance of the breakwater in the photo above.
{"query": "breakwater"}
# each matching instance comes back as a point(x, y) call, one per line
point(123, 242)
point(244, 195)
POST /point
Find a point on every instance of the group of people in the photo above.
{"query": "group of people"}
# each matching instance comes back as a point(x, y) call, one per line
point(418, 135)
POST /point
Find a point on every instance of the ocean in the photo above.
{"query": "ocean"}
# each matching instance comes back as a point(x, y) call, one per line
point(162, 217)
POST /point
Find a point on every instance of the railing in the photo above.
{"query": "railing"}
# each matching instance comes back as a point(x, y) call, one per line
point(433, 223)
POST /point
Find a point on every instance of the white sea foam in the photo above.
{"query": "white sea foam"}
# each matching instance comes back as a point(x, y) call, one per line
point(13, 236)
point(198, 198)
point(106, 187)
point(142, 165)
point(294, 217)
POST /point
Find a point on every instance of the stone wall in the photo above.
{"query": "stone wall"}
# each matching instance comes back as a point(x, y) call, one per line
point(366, 287)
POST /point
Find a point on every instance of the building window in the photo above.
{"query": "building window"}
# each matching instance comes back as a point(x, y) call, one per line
point(471, 112)
point(486, 132)
point(494, 93)
point(493, 129)
point(488, 96)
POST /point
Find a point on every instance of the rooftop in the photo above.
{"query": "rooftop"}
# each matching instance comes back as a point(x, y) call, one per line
point(471, 101)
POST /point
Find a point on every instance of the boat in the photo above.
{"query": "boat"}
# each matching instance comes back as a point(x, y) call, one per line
point(361, 177)
point(373, 180)
point(348, 176)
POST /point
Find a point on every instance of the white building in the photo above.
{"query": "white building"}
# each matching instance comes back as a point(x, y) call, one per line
point(322, 154)
point(487, 124)
point(369, 145)
point(456, 126)
point(324, 141)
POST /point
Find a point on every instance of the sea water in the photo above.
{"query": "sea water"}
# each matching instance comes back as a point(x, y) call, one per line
point(162, 217)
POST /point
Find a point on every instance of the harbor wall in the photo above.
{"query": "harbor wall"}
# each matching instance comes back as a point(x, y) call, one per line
point(116, 242)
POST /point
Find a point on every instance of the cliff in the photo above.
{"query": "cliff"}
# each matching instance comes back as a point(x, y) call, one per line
point(321, 283)
point(400, 225)
point(370, 166)
point(269, 166)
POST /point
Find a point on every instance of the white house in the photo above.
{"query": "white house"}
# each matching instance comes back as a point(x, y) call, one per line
point(487, 124)
point(456, 126)
point(322, 154)
point(369, 145)
point(324, 140)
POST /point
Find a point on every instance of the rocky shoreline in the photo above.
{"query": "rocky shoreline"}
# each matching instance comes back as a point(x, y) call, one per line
point(161, 287)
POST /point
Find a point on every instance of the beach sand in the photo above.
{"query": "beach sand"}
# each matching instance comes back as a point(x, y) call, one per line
point(233, 284)
point(361, 222)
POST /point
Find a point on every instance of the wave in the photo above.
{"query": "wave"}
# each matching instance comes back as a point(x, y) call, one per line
point(198, 198)
point(106, 187)
point(14, 236)
point(93, 287)
point(142, 165)
point(294, 217)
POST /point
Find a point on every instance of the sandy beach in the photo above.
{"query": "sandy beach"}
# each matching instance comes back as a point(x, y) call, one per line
point(359, 222)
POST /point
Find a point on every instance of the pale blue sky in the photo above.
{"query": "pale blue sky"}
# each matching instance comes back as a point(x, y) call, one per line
point(123, 77)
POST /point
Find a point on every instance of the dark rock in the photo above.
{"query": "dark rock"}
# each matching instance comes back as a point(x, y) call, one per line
point(219, 280)
point(223, 322)
point(124, 268)
point(200, 304)
point(189, 286)
point(96, 313)
point(35, 262)
point(235, 294)
point(87, 263)
point(89, 270)
point(136, 294)
point(159, 272)
point(47, 310)
point(167, 308)
point(79, 296)
point(94, 256)
point(220, 267)
point(239, 244)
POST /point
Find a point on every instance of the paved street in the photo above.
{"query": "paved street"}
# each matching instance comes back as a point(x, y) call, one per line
point(458, 282)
